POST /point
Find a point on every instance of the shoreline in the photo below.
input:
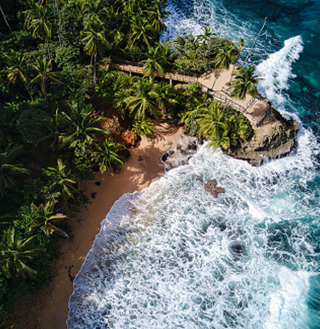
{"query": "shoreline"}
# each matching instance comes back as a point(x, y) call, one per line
point(49, 308)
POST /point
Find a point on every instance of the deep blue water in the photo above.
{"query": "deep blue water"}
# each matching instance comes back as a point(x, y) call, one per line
point(171, 256)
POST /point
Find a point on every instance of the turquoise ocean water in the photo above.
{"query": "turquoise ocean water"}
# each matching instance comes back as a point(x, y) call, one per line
point(171, 256)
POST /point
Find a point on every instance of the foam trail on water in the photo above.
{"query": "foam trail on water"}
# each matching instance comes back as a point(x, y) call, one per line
point(171, 256)
point(276, 70)
point(291, 298)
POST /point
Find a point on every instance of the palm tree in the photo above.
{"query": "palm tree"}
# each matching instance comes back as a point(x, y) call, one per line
point(213, 125)
point(256, 39)
point(94, 44)
point(166, 97)
point(45, 220)
point(141, 31)
point(157, 14)
point(16, 69)
point(142, 100)
point(144, 128)
point(245, 81)
point(10, 167)
point(5, 18)
point(226, 56)
point(241, 43)
point(38, 20)
point(207, 34)
point(15, 253)
point(8, 25)
point(44, 74)
point(153, 64)
point(107, 156)
point(92, 11)
point(61, 180)
point(79, 126)
point(168, 55)
point(239, 128)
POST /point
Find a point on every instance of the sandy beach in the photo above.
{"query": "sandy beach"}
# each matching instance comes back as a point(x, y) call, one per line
point(49, 309)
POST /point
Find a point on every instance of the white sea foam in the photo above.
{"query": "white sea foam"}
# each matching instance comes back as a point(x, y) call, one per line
point(174, 260)
point(276, 70)
point(289, 301)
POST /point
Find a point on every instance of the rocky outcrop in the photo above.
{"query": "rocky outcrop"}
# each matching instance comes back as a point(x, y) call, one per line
point(274, 138)
point(211, 186)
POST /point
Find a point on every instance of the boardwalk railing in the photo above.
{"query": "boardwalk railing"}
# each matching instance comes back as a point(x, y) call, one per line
point(169, 75)
point(222, 95)
point(226, 99)
point(139, 64)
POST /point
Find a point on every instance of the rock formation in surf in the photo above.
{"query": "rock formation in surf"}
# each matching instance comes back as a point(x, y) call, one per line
point(211, 186)
point(274, 138)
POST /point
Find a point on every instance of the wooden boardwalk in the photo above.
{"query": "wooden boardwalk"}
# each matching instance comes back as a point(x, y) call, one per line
point(168, 75)
point(214, 83)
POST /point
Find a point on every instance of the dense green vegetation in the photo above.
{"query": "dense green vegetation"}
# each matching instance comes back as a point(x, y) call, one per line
point(56, 83)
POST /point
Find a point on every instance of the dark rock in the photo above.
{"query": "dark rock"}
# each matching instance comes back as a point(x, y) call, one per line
point(166, 155)
point(140, 158)
point(274, 138)
point(98, 183)
point(192, 145)
point(219, 189)
point(211, 186)
point(94, 195)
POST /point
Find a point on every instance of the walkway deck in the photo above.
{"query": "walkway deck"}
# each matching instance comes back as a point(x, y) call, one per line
point(168, 75)
point(214, 83)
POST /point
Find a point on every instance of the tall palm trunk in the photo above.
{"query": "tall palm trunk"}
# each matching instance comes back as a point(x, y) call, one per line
point(264, 23)
point(49, 53)
point(56, 10)
point(95, 70)
point(8, 25)
point(5, 18)
point(26, 86)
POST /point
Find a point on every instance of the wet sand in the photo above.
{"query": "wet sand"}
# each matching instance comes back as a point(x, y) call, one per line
point(49, 309)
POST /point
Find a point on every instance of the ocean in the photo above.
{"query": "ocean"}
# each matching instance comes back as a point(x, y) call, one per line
point(171, 256)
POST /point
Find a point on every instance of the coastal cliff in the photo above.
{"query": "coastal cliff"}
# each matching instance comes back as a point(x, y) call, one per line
point(274, 138)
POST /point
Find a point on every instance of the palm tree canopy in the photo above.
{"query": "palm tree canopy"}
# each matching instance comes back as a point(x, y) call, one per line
point(94, 40)
point(45, 219)
point(142, 100)
point(44, 74)
point(244, 81)
point(10, 167)
point(15, 67)
point(79, 126)
point(107, 156)
point(38, 20)
point(15, 253)
point(61, 180)
point(226, 56)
